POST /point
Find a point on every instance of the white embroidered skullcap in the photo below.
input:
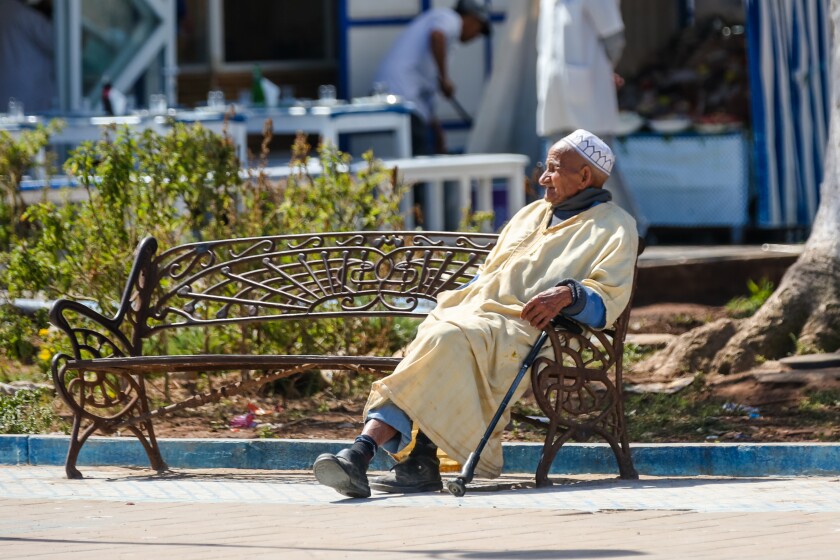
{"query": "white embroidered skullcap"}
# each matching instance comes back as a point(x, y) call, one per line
point(592, 148)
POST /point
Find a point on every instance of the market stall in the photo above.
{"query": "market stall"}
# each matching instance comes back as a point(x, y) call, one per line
point(683, 144)
point(724, 125)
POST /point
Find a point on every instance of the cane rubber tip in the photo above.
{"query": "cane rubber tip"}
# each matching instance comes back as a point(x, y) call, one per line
point(456, 487)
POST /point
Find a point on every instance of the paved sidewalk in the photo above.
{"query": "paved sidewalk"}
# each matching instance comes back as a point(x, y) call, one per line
point(133, 513)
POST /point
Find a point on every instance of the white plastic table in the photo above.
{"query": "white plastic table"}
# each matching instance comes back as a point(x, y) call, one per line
point(84, 129)
point(331, 121)
point(466, 170)
point(433, 171)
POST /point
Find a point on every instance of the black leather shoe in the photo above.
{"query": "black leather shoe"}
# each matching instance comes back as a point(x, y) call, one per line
point(345, 472)
point(415, 473)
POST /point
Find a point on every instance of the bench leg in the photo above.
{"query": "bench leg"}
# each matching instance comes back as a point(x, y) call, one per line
point(626, 469)
point(562, 396)
point(549, 452)
point(148, 438)
point(149, 444)
point(145, 433)
point(76, 443)
point(553, 444)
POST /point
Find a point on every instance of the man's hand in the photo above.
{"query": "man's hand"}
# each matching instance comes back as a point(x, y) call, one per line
point(544, 306)
point(447, 87)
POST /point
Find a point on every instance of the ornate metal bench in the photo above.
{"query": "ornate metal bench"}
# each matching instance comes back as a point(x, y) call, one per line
point(294, 277)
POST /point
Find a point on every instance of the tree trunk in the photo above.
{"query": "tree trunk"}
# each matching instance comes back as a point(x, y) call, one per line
point(803, 314)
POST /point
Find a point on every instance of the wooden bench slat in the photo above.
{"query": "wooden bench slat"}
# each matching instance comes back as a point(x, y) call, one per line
point(204, 362)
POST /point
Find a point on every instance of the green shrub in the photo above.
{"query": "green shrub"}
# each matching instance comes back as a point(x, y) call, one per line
point(19, 156)
point(176, 187)
point(633, 354)
point(183, 186)
point(28, 411)
point(18, 333)
point(682, 416)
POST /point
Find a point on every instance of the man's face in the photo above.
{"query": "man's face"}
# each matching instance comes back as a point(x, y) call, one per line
point(564, 176)
point(471, 28)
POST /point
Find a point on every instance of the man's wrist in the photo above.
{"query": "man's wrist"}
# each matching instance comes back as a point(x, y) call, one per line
point(578, 296)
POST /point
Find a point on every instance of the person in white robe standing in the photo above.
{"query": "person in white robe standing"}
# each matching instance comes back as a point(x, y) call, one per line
point(573, 252)
point(579, 43)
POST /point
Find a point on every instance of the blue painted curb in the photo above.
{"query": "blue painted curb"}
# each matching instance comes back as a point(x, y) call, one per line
point(687, 459)
point(717, 459)
point(14, 450)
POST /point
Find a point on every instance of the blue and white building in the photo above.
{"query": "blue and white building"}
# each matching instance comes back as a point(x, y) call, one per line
point(185, 48)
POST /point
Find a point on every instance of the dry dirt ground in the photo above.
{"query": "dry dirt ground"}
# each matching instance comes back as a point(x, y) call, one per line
point(745, 407)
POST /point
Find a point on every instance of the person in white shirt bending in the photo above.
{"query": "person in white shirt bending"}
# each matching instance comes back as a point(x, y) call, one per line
point(416, 66)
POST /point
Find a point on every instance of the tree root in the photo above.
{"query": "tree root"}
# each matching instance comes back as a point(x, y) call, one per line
point(802, 316)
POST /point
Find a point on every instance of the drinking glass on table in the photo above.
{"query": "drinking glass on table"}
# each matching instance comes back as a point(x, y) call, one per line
point(326, 93)
point(216, 100)
point(380, 89)
point(157, 104)
point(15, 109)
point(287, 93)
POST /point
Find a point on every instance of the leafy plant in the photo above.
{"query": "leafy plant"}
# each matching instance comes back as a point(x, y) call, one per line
point(746, 306)
point(19, 156)
point(28, 411)
point(820, 401)
point(474, 221)
point(177, 186)
point(19, 333)
point(183, 186)
point(633, 354)
point(336, 199)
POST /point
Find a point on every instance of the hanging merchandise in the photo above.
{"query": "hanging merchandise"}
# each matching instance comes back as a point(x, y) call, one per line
point(700, 79)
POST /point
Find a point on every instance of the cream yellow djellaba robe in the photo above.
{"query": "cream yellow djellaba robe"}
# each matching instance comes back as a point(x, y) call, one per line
point(470, 347)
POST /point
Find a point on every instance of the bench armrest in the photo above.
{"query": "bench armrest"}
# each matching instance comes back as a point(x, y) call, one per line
point(564, 323)
point(105, 337)
point(101, 338)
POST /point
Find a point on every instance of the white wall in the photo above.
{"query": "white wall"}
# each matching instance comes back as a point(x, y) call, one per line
point(367, 46)
point(358, 9)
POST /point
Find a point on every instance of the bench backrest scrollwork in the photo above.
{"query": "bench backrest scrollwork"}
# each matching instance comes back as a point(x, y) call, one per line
point(309, 276)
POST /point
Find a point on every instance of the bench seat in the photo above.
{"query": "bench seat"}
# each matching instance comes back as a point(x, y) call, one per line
point(224, 362)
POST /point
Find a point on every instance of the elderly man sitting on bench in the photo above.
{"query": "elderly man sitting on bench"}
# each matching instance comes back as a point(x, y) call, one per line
point(573, 252)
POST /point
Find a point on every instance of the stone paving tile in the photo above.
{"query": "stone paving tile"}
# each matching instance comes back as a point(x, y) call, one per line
point(805, 494)
point(116, 530)
point(126, 513)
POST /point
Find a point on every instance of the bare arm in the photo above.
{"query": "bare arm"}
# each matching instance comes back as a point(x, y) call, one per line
point(439, 51)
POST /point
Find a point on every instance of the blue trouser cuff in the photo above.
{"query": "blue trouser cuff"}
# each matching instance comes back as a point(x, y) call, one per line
point(391, 414)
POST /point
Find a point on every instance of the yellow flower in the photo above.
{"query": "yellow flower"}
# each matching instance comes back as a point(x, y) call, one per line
point(44, 355)
point(43, 332)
